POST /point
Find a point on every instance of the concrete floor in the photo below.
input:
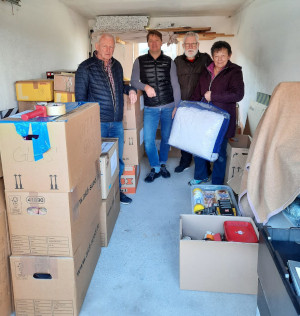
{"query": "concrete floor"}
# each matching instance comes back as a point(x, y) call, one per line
point(138, 273)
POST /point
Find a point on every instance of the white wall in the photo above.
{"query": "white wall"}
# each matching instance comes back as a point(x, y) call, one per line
point(267, 46)
point(37, 37)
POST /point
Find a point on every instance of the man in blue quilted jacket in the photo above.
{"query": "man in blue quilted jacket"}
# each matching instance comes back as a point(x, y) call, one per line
point(100, 79)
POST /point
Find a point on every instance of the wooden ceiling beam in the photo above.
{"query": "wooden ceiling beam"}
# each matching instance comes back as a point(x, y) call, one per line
point(182, 29)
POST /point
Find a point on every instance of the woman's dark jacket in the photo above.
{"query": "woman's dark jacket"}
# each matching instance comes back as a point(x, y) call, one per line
point(226, 88)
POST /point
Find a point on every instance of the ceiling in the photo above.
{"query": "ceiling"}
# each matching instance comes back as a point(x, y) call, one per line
point(156, 8)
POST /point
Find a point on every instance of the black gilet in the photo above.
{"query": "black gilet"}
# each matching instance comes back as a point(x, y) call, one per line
point(156, 73)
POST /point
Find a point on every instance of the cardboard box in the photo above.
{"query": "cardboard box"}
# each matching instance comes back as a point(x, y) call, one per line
point(5, 284)
point(255, 113)
point(216, 266)
point(62, 96)
point(130, 179)
point(75, 140)
point(133, 116)
point(109, 164)
point(64, 82)
point(109, 213)
point(26, 105)
point(133, 146)
point(68, 278)
point(237, 154)
point(35, 90)
point(52, 224)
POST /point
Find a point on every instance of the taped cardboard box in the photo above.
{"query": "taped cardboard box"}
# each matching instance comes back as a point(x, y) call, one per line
point(109, 164)
point(109, 213)
point(63, 96)
point(6, 307)
point(255, 113)
point(133, 146)
point(237, 154)
point(216, 266)
point(35, 90)
point(64, 82)
point(52, 224)
point(133, 115)
point(75, 147)
point(55, 285)
point(130, 179)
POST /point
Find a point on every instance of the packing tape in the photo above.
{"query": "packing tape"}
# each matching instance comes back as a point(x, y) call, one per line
point(55, 109)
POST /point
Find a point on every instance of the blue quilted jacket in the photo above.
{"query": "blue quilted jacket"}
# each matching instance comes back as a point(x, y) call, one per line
point(92, 85)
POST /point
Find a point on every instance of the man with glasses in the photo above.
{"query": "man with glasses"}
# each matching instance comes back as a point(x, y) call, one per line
point(155, 74)
point(189, 67)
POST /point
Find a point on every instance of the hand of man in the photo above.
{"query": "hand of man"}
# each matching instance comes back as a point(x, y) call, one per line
point(132, 96)
point(207, 96)
point(150, 91)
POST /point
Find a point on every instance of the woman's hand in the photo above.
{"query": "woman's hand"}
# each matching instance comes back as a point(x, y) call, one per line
point(207, 96)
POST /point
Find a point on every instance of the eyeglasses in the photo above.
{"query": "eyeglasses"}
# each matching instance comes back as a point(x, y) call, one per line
point(194, 45)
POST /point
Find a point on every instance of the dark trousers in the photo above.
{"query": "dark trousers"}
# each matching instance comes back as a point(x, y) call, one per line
point(186, 158)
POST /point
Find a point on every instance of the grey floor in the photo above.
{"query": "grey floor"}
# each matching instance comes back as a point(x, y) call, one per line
point(138, 273)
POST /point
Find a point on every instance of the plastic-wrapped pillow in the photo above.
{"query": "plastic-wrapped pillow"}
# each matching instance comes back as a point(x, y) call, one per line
point(199, 128)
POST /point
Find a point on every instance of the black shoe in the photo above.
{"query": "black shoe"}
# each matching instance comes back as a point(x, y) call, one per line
point(152, 175)
point(181, 168)
point(164, 172)
point(124, 199)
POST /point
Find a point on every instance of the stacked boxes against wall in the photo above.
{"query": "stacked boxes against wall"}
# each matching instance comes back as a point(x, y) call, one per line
point(133, 119)
point(53, 199)
point(30, 92)
point(109, 166)
point(5, 284)
point(64, 87)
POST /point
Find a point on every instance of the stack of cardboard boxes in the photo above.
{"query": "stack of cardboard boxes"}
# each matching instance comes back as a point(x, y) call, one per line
point(133, 142)
point(53, 210)
point(29, 92)
point(61, 89)
point(64, 87)
point(109, 166)
point(5, 284)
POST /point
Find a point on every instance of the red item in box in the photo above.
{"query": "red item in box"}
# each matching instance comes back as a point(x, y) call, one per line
point(240, 232)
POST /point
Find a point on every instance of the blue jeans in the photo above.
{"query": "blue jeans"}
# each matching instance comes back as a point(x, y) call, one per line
point(115, 130)
point(219, 167)
point(152, 116)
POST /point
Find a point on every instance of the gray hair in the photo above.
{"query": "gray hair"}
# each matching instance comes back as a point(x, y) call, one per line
point(190, 34)
point(106, 35)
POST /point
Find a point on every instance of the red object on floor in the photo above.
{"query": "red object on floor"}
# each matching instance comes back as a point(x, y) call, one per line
point(240, 232)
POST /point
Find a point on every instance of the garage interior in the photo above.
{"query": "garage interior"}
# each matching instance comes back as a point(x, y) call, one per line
point(138, 272)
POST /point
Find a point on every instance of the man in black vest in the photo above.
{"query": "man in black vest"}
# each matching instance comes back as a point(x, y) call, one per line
point(189, 67)
point(155, 74)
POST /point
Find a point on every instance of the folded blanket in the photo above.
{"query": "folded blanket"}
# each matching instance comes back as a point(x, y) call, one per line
point(271, 179)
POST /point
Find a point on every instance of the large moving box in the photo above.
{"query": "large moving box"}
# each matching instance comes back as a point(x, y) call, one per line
point(133, 146)
point(1, 171)
point(109, 164)
point(5, 284)
point(216, 266)
point(75, 142)
point(55, 285)
point(35, 90)
point(109, 213)
point(52, 224)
